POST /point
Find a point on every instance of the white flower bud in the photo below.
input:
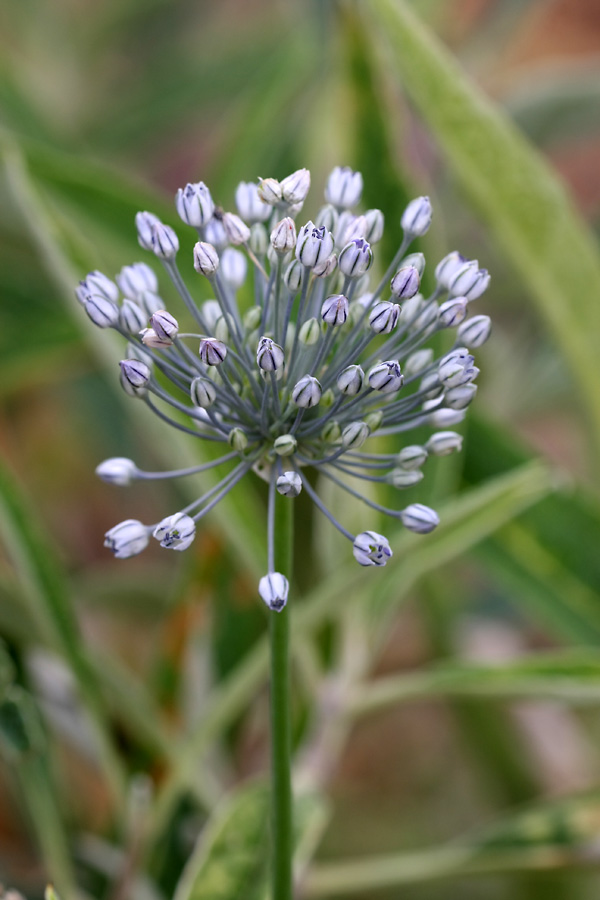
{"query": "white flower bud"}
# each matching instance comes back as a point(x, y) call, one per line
point(416, 218)
point(145, 222)
point(283, 236)
point(419, 518)
point(136, 279)
point(405, 282)
point(211, 313)
point(350, 380)
point(375, 225)
point(289, 484)
point(386, 377)
point(355, 230)
point(460, 397)
point(466, 278)
point(215, 234)
point(176, 532)
point(127, 539)
point(117, 470)
point(212, 352)
point(442, 418)
point(132, 317)
point(452, 312)
point(404, 478)
point(295, 187)
point(328, 217)
point(233, 267)
point(165, 242)
point(103, 313)
point(274, 588)
point(237, 440)
point(307, 392)
point(235, 228)
point(164, 324)
point(314, 245)
point(135, 372)
point(98, 285)
point(371, 549)
point(249, 204)
point(475, 331)
point(130, 390)
point(259, 241)
point(344, 187)
point(442, 443)
point(418, 361)
point(151, 339)
point(203, 392)
point(412, 457)
point(206, 259)
point(269, 355)
point(269, 191)
point(309, 333)
point(334, 310)
point(293, 276)
point(384, 316)
point(194, 204)
point(447, 268)
point(355, 258)
point(285, 445)
point(354, 435)
point(325, 268)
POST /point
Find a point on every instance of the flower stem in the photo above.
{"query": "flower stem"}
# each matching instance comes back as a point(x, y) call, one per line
point(281, 785)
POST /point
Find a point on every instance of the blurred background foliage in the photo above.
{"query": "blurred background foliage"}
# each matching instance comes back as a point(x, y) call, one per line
point(447, 712)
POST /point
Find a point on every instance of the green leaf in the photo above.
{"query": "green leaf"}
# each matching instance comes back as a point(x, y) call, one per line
point(556, 106)
point(20, 729)
point(519, 196)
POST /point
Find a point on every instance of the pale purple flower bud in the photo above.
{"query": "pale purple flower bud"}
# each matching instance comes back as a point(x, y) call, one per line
point(384, 316)
point(145, 222)
point(295, 187)
point(249, 204)
point(165, 242)
point(412, 457)
point(444, 417)
point(135, 372)
point(466, 278)
point(136, 279)
point(350, 380)
point(233, 267)
point(442, 443)
point(103, 313)
point(289, 484)
point(314, 245)
point(283, 236)
point(269, 191)
point(127, 539)
point(371, 549)
point(344, 187)
point(212, 352)
point(447, 268)
point(117, 470)
point(452, 312)
point(356, 258)
point(194, 204)
point(386, 377)
point(165, 325)
point(269, 356)
point(343, 226)
point(375, 225)
point(356, 230)
point(203, 392)
point(274, 588)
point(235, 228)
point(307, 392)
point(475, 331)
point(460, 397)
point(480, 286)
point(151, 339)
point(215, 234)
point(322, 270)
point(405, 282)
point(293, 276)
point(206, 259)
point(419, 518)
point(98, 285)
point(354, 435)
point(176, 532)
point(404, 478)
point(334, 310)
point(328, 218)
point(132, 317)
point(416, 218)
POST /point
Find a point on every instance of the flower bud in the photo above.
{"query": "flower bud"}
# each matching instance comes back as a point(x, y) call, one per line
point(233, 267)
point(117, 470)
point(419, 518)
point(416, 218)
point(418, 361)
point(130, 390)
point(460, 397)
point(350, 380)
point(194, 204)
point(351, 228)
point(269, 356)
point(475, 331)
point(150, 302)
point(135, 372)
point(134, 351)
point(328, 217)
point(405, 282)
point(274, 588)
point(375, 225)
point(307, 392)
point(384, 316)
point(373, 420)
point(354, 435)
point(212, 352)
point(331, 432)
point(412, 457)
point(206, 259)
point(211, 313)
point(314, 245)
point(427, 317)
point(176, 532)
point(136, 279)
point(151, 339)
point(132, 317)
point(442, 418)
point(269, 191)
point(442, 443)
point(203, 392)
point(293, 276)
point(127, 539)
point(259, 242)
point(295, 187)
point(386, 377)
point(285, 445)
point(355, 258)
point(103, 313)
point(334, 310)
point(237, 440)
point(465, 278)
point(236, 230)
point(404, 478)
point(283, 236)
point(165, 242)
point(417, 260)
point(447, 268)
point(325, 268)
point(145, 222)
point(289, 484)
point(99, 285)
point(215, 234)
point(164, 324)
point(371, 549)
point(250, 206)
point(222, 328)
point(344, 187)
point(252, 318)
point(452, 312)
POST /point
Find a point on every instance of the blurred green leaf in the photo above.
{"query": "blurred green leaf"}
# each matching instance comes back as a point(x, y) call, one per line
point(555, 105)
point(20, 728)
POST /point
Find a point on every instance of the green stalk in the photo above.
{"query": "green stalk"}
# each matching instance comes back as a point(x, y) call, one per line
point(281, 785)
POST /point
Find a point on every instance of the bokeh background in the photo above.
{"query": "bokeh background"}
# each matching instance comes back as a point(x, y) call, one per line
point(108, 667)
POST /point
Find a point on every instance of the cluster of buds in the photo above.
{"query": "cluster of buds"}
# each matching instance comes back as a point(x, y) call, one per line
point(322, 362)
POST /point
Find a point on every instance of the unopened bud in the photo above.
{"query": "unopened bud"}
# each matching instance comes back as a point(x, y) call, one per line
point(325, 268)
point(442, 443)
point(475, 331)
point(334, 310)
point(328, 217)
point(283, 236)
point(307, 392)
point(127, 539)
point(274, 588)
point(354, 435)
point(237, 440)
point(233, 267)
point(269, 355)
point(235, 228)
point(383, 317)
point(285, 445)
point(355, 258)
point(269, 191)
point(344, 187)
point(194, 204)
point(444, 417)
point(165, 325)
point(295, 187)
point(145, 222)
point(165, 242)
point(136, 279)
point(416, 218)
point(460, 397)
point(135, 372)
point(212, 352)
point(419, 518)
point(250, 206)
point(447, 268)
point(203, 392)
point(98, 285)
point(405, 282)
point(452, 312)
point(412, 457)
point(293, 276)
point(373, 420)
point(404, 478)
point(117, 470)
point(103, 313)
point(289, 484)
point(215, 234)
point(375, 225)
point(386, 377)
point(418, 361)
point(259, 240)
point(350, 380)
point(132, 318)
point(206, 259)
point(252, 318)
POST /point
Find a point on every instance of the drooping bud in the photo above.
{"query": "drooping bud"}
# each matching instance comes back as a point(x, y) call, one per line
point(285, 445)
point(384, 316)
point(386, 377)
point(444, 417)
point(289, 484)
point(164, 324)
point(103, 313)
point(334, 310)
point(249, 203)
point(235, 228)
point(283, 236)
point(452, 312)
point(269, 191)
point(419, 518)
point(274, 588)
point(295, 187)
point(307, 392)
point(135, 372)
point(233, 267)
point(475, 331)
point(416, 218)
point(344, 187)
point(127, 539)
point(118, 470)
point(132, 317)
point(194, 204)
point(203, 392)
point(145, 222)
point(354, 435)
point(371, 549)
point(314, 245)
point(310, 332)
point(176, 532)
point(165, 242)
point(404, 478)
point(356, 258)
point(350, 380)
point(212, 351)
point(442, 443)
point(412, 457)
point(405, 282)
point(206, 259)
point(136, 279)
point(237, 440)
point(375, 225)
point(269, 355)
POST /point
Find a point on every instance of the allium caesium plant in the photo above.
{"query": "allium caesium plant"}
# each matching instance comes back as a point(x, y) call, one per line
point(320, 364)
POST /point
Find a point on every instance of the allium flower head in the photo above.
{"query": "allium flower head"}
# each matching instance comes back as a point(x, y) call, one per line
point(327, 360)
